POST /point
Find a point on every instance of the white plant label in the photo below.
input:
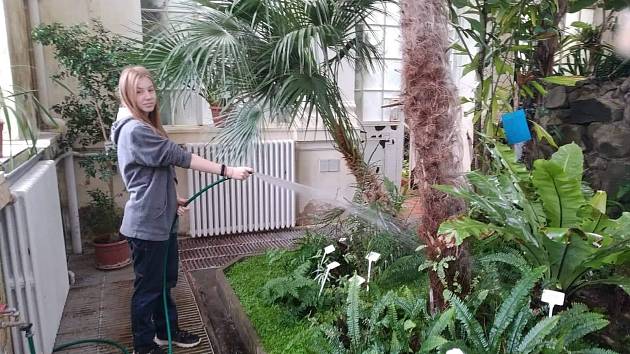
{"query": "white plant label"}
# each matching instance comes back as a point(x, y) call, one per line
point(333, 265)
point(552, 298)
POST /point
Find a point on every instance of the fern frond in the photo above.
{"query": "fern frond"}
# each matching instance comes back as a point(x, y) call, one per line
point(332, 334)
point(510, 258)
point(516, 331)
point(594, 351)
point(511, 306)
point(537, 335)
point(473, 328)
point(433, 338)
point(352, 313)
point(577, 322)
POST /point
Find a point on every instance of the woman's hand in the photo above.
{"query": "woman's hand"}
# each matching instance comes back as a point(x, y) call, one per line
point(182, 208)
point(239, 172)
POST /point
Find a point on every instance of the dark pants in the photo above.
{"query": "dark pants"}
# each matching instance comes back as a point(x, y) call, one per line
point(147, 307)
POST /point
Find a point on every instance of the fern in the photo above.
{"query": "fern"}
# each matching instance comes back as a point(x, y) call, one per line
point(473, 328)
point(511, 258)
point(295, 290)
point(511, 306)
point(352, 312)
point(594, 351)
point(536, 335)
point(518, 326)
point(433, 338)
point(577, 322)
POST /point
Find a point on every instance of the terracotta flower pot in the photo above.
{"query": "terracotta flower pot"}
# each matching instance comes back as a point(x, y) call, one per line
point(112, 255)
point(1, 131)
point(217, 118)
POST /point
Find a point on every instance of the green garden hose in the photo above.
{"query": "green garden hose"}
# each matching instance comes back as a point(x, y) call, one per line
point(164, 302)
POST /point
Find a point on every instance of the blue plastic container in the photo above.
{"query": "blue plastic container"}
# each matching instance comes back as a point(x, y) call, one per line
point(515, 127)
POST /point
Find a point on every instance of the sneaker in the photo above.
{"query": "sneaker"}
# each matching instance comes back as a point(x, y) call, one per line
point(153, 349)
point(182, 339)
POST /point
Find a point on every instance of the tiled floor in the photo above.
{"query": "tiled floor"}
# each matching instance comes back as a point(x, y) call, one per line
point(98, 302)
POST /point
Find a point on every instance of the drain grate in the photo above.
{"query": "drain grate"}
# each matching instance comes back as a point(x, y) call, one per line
point(218, 251)
point(103, 312)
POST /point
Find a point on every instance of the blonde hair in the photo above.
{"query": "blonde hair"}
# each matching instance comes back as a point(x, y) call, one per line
point(127, 86)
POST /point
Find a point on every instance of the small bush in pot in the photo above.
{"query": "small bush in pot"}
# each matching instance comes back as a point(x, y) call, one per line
point(101, 220)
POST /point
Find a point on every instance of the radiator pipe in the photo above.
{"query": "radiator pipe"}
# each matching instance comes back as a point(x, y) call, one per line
point(73, 200)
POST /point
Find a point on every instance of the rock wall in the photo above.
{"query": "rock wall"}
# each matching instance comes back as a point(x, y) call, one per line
point(596, 116)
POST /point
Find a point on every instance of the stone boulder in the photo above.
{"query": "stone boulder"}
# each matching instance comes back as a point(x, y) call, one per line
point(557, 98)
point(610, 140)
point(595, 109)
point(573, 133)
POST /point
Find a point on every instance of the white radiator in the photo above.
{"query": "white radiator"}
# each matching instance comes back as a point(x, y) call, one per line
point(34, 257)
point(244, 206)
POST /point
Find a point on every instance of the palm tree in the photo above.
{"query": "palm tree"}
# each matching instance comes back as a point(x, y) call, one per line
point(431, 111)
point(274, 60)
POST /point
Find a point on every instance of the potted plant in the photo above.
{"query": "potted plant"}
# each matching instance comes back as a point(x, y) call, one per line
point(102, 219)
point(1, 132)
point(217, 101)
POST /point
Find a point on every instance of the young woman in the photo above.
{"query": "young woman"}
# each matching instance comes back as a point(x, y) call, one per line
point(146, 159)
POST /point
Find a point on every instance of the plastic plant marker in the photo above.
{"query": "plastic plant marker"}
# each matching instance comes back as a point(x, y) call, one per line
point(329, 267)
point(552, 298)
point(371, 257)
point(515, 127)
point(359, 279)
point(333, 265)
point(327, 250)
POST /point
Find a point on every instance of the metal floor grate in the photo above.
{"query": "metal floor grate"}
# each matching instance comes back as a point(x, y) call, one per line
point(103, 312)
point(218, 251)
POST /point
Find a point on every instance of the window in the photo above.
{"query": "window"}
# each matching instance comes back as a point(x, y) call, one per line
point(177, 108)
point(378, 88)
point(6, 79)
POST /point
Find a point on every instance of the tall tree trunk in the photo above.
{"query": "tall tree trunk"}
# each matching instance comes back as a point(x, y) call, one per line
point(431, 110)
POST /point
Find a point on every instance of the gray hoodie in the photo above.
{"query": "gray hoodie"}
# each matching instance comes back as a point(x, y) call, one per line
point(146, 161)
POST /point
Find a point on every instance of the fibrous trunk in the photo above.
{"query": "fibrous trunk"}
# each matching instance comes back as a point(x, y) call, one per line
point(431, 111)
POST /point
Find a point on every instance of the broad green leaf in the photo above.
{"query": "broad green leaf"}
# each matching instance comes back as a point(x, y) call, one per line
point(577, 5)
point(581, 25)
point(502, 67)
point(599, 201)
point(561, 196)
point(563, 80)
point(567, 252)
point(621, 281)
point(570, 158)
point(620, 227)
point(542, 133)
point(462, 228)
point(458, 47)
point(432, 343)
point(541, 90)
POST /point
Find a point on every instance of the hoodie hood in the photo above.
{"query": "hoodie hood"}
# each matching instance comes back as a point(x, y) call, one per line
point(123, 117)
